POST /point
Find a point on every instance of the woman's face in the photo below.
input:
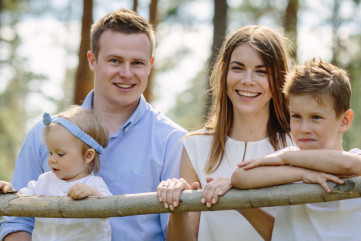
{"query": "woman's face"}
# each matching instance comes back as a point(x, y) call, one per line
point(247, 83)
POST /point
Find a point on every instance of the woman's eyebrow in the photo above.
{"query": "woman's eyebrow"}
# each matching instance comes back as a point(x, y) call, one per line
point(237, 62)
point(240, 63)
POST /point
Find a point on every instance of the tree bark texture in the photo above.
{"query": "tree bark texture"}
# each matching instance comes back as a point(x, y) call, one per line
point(290, 24)
point(153, 19)
point(135, 5)
point(147, 203)
point(219, 33)
point(84, 76)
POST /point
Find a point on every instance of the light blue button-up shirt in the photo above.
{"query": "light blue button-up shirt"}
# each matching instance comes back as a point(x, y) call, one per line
point(139, 155)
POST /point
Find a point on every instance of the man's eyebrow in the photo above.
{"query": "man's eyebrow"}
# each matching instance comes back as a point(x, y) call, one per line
point(112, 56)
point(120, 57)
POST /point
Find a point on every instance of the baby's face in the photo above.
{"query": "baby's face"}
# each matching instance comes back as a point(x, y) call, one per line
point(315, 125)
point(65, 154)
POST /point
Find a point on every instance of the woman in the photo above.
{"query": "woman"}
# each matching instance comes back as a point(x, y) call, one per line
point(249, 118)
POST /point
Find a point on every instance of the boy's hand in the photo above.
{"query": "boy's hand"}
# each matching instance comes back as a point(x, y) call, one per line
point(214, 189)
point(6, 187)
point(270, 160)
point(80, 191)
point(310, 176)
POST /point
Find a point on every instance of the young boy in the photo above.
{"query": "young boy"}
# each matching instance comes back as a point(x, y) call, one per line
point(319, 100)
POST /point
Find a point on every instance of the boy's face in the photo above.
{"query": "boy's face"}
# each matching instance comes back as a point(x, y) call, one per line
point(315, 125)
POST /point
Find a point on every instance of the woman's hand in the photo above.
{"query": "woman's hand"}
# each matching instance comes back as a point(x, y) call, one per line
point(81, 190)
point(169, 191)
point(269, 160)
point(214, 189)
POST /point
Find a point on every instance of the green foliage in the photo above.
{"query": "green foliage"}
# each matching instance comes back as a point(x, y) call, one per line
point(13, 5)
point(352, 137)
point(16, 85)
point(189, 106)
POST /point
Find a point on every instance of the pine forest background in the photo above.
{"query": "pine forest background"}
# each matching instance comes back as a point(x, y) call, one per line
point(43, 45)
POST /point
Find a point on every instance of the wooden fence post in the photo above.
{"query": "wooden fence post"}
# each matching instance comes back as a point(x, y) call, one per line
point(147, 203)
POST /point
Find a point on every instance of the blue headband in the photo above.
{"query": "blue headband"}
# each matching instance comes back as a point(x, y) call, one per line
point(73, 129)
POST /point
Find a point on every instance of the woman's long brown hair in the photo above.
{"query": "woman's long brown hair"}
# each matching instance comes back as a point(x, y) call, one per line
point(272, 48)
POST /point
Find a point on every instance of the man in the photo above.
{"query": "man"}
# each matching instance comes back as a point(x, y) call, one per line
point(144, 146)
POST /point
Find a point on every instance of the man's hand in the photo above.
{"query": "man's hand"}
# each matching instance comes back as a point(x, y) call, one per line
point(6, 187)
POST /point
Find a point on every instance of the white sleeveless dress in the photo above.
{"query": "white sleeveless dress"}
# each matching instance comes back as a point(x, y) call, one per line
point(225, 225)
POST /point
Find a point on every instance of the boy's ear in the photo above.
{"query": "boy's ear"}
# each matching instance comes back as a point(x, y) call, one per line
point(89, 155)
point(346, 120)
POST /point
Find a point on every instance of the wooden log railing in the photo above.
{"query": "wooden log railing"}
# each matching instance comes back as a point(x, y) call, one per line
point(147, 203)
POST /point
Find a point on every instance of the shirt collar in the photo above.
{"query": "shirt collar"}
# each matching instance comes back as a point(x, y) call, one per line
point(137, 115)
point(88, 102)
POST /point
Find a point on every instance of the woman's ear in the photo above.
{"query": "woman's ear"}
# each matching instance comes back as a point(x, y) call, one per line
point(89, 155)
point(346, 120)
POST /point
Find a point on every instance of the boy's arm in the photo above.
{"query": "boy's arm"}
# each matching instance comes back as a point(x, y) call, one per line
point(330, 161)
point(264, 176)
point(275, 175)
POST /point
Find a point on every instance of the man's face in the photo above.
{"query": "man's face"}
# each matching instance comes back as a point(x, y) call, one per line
point(121, 69)
point(315, 125)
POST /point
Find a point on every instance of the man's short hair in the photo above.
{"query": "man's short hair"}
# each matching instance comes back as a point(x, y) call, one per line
point(124, 21)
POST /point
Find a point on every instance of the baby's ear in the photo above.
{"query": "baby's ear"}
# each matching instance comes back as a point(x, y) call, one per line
point(89, 155)
point(346, 120)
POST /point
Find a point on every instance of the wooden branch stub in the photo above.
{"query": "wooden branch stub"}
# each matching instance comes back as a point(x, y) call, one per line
point(147, 203)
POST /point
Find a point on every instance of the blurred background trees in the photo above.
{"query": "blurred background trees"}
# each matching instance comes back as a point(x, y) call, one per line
point(189, 35)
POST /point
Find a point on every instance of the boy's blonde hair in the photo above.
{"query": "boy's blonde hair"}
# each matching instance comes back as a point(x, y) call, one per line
point(92, 125)
point(320, 79)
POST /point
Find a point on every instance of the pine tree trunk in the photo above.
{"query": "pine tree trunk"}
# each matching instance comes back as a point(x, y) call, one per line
point(219, 32)
point(153, 19)
point(290, 24)
point(84, 76)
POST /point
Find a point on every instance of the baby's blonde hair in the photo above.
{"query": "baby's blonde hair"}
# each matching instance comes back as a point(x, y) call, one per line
point(91, 124)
